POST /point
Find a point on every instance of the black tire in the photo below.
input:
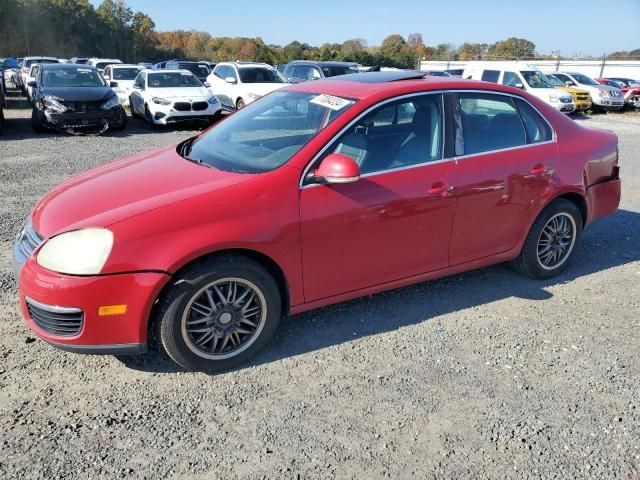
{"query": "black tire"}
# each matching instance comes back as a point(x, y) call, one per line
point(122, 124)
point(529, 262)
point(37, 120)
point(149, 118)
point(240, 104)
point(1, 120)
point(174, 313)
point(133, 110)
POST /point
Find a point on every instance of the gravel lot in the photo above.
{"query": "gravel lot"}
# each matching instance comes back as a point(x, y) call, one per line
point(480, 375)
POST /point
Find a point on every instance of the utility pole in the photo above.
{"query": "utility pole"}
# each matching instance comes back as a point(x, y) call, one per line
point(604, 59)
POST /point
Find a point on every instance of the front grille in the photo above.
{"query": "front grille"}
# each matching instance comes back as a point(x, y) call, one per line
point(199, 106)
point(60, 321)
point(182, 106)
point(27, 241)
point(583, 97)
point(83, 106)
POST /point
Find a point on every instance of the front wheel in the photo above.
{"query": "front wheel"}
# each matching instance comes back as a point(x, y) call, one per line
point(551, 242)
point(240, 104)
point(37, 120)
point(219, 314)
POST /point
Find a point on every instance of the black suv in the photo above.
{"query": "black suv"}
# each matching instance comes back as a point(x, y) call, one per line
point(303, 70)
point(200, 70)
point(74, 98)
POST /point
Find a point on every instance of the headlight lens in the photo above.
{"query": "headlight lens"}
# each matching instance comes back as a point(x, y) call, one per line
point(553, 98)
point(213, 100)
point(254, 96)
point(80, 252)
point(161, 101)
point(53, 104)
point(111, 103)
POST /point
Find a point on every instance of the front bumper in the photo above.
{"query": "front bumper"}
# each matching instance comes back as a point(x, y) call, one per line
point(608, 103)
point(114, 117)
point(564, 107)
point(112, 334)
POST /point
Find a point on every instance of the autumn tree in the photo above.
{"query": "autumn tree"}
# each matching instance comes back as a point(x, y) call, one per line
point(512, 49)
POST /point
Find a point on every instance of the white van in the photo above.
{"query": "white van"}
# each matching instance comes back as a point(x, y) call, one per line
point(524, 76)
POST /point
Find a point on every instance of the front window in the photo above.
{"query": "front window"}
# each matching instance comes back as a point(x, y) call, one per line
point(260, 75)
point(173, 80)
point(266, 134)
point(536, 79)
point(584, 80)
point(72, 77)
point(334, 71)
point(125, 73)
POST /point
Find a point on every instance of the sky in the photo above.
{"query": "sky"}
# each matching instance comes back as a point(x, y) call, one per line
point(606, 25)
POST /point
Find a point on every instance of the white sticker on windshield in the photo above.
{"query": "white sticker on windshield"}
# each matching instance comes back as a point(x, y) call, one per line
point(329, 101)
point(85, 70)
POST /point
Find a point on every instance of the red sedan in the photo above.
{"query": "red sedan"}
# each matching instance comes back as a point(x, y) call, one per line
point(317, 193)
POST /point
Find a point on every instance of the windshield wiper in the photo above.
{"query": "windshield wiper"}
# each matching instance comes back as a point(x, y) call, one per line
point(185, 149)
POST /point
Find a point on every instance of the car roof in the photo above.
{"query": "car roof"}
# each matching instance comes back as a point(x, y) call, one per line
point(129, 65)
point(40, 56)
point(47, 66)
point(246, 64)
point(324, 63)
point(389, 84)
point(168, 70)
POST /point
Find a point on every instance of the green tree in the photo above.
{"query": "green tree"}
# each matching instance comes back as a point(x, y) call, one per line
point(512, 49)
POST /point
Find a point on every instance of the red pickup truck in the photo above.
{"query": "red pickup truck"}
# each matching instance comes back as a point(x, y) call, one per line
point(630, 89)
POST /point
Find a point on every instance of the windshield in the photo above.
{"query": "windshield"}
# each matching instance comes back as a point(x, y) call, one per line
point(556, 82)
point(633, 83)
point(339, 70)
point(196, 69)
point(173, 80)
point(267, 133)
point(584, 80)
point(125, 73)
point(72, 77)
point(103, 65)
point(259, 75)
point(536, 79)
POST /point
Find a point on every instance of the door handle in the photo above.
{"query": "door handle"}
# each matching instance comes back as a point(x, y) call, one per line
point(440, 189)
point(540, 171)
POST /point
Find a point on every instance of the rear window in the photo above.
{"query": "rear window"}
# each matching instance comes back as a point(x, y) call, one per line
point(40, 60)
point(490, 76)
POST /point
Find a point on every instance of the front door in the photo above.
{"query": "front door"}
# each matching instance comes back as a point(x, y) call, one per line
point(395, 221)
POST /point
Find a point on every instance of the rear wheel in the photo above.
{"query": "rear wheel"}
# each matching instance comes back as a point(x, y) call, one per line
point(551, 241)
point(240, 104)
point(219, 314)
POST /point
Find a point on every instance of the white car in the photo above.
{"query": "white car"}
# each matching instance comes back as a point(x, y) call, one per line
point(603, 97)
point(102, 63)
point(25, 67)
point(123, 75)
point(170, 96)
point(31, 77)
point(523, 76)
point(237, 84)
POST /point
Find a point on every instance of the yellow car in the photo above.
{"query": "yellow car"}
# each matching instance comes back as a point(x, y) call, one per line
point(580, 97)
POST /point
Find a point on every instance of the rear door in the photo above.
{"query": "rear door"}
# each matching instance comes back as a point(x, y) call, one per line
point(506, 155)
point(395, 221)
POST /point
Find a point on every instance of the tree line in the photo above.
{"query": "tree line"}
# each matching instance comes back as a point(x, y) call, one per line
point(67, 28)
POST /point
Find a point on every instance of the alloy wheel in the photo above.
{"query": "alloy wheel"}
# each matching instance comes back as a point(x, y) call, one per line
point(556, 241)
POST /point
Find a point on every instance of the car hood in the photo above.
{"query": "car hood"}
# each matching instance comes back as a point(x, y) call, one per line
point(126, 188)
point(572, 89)
point(263, 88)
point(181, 92)
point(125, 84)
point(78, 94)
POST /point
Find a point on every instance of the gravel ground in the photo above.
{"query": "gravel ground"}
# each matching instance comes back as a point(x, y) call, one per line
point(480, 375)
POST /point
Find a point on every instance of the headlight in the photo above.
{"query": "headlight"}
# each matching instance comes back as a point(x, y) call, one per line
point(54, 104)
point(111, 103)
point(253, 96)
point(553, 98)
point(161, 101)
point(213, 100)
point(80, 252)
point(603, 93)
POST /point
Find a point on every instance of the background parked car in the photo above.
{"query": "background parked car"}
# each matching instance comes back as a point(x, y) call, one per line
point(3, 101)
point(436, 73)
point(102, 63)
point(523, 76)
point(121, 78)
point(303, 70)
point(631, 94)
point(580, 97)
point(75, 98)
point(8, 69)
point(25, 66)
point(237, 84)
point(31, 76)
point(169, 96)
point(79, 60)
point(200, 70)
point(603, 97)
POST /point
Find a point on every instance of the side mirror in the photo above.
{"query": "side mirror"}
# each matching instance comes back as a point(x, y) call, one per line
point(231, 80)
point(113, 84)
point(32, 84)
point(207, 84)
point(519, 85)
point(337, 168)
point(136, 86)
point(106, 77)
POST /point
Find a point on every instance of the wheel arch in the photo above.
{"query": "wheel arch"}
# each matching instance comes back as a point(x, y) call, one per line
point(579, 200)
point(265, 261)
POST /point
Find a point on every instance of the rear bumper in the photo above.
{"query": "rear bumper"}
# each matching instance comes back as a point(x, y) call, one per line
point(603, 199)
